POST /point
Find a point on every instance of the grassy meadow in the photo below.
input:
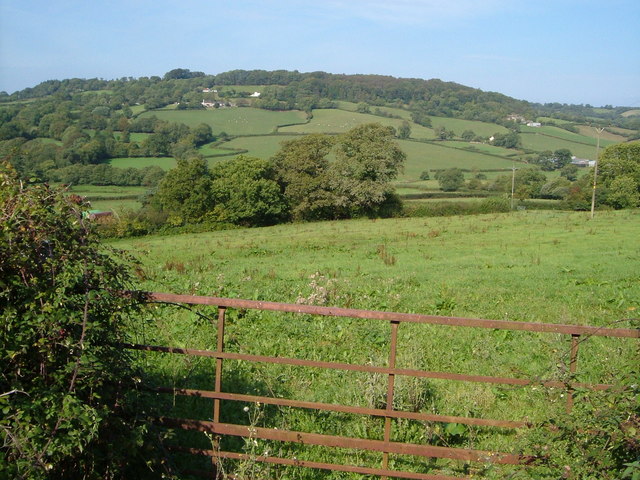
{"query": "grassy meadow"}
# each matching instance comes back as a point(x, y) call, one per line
point(234, 121)
point(556, 267)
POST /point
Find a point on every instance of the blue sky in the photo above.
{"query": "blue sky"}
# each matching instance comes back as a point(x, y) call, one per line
point(568, 51)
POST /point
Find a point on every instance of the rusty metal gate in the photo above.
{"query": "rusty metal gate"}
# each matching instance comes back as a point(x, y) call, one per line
point(385, 445)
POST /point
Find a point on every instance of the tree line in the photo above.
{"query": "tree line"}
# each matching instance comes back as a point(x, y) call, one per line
point(299, 183)
point(292, 89)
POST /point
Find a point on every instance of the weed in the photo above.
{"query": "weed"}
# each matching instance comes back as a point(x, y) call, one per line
point(386, 257)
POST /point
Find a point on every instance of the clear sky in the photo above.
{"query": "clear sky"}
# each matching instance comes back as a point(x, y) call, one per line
point(568, 51)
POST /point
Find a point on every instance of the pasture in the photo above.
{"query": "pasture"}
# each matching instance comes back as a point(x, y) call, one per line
point(259, 146)
point(166, 163)
point(429, 156)
point(339, 121)
point(110, 197)
point(540, 142)
point(459, 125)
point(233, 121)
point(562, 134)
point(525, 266)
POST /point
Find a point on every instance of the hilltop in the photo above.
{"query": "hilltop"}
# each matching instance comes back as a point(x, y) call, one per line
point(126, 132)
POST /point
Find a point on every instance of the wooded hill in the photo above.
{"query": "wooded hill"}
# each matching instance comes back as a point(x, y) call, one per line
point(127, 132)
point(304, 91)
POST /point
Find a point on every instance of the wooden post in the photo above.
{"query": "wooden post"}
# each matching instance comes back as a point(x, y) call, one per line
point(573, 365)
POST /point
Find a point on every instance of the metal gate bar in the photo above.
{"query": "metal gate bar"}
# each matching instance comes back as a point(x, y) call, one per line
point(385, 446)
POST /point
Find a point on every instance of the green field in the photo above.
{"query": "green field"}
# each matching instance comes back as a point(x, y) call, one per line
point(137, 109)
point(233, 121)
point(458, 126)
point(111, 197)
point(166, 163)
point(482, 147)
point(526, 266)
point(429, 156)
point(339, 121)
point(213, 149)
point(540, 143)
point(560, 133)
point(605, 134)
point(260, 146)
point(99, 191)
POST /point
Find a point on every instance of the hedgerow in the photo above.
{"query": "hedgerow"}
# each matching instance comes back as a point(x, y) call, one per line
point(67, 391)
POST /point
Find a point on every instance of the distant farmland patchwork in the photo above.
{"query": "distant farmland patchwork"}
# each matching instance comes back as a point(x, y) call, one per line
point(260, 133)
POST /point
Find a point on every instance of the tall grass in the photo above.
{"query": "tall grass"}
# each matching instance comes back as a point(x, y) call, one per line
point(553, 267)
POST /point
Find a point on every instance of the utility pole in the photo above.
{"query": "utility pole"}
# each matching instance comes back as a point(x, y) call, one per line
point(595, 172)
point(513, 182)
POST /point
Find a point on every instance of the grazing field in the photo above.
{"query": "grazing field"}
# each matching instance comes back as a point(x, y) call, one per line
point(458, 126)
point(110, 197)
point(260, 146)
point(540, 142)
point(234, 121)
point(116, 205)
point(137, 109)
point(166, 163)
point(108, 191)
point(430, 156)
point(606, 134)
point(560, 133)
point(213, 149)
point(339, 121)
point(526, 266)
point(399, 112)
point(482, 147)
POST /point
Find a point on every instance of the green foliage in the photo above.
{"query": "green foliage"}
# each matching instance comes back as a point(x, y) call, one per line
point(367, 160)
point(507, 140)
point(619, 173)
point(303, 171)
point(425, 175)
point(570, 172)
point(599, 439)
point(451, 179)
point(356, 183)
point(404, 131)
point(66, 389)
point(528, 183)
point(245, 192)
point(185, 191)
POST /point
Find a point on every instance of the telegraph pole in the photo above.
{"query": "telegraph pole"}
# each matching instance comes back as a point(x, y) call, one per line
point(595, 172)
point(513, 182)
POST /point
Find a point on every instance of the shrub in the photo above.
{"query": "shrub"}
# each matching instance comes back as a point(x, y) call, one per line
point(65, 388)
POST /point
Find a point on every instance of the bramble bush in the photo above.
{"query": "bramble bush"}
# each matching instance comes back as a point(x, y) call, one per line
point(67, 391)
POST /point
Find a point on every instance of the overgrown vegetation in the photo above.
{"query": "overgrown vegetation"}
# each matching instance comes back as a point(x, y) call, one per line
point(67, 392)
point(523, 266)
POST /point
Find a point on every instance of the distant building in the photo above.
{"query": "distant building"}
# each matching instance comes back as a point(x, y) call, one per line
point(534, 124)
point(208, 103)
point(582, 162)
point(95, 214)
point(514, 117)
point(255, 94)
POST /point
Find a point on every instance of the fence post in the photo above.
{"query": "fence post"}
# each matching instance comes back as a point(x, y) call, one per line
point(218, 383)
point(573, 365)
point(390, 391)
